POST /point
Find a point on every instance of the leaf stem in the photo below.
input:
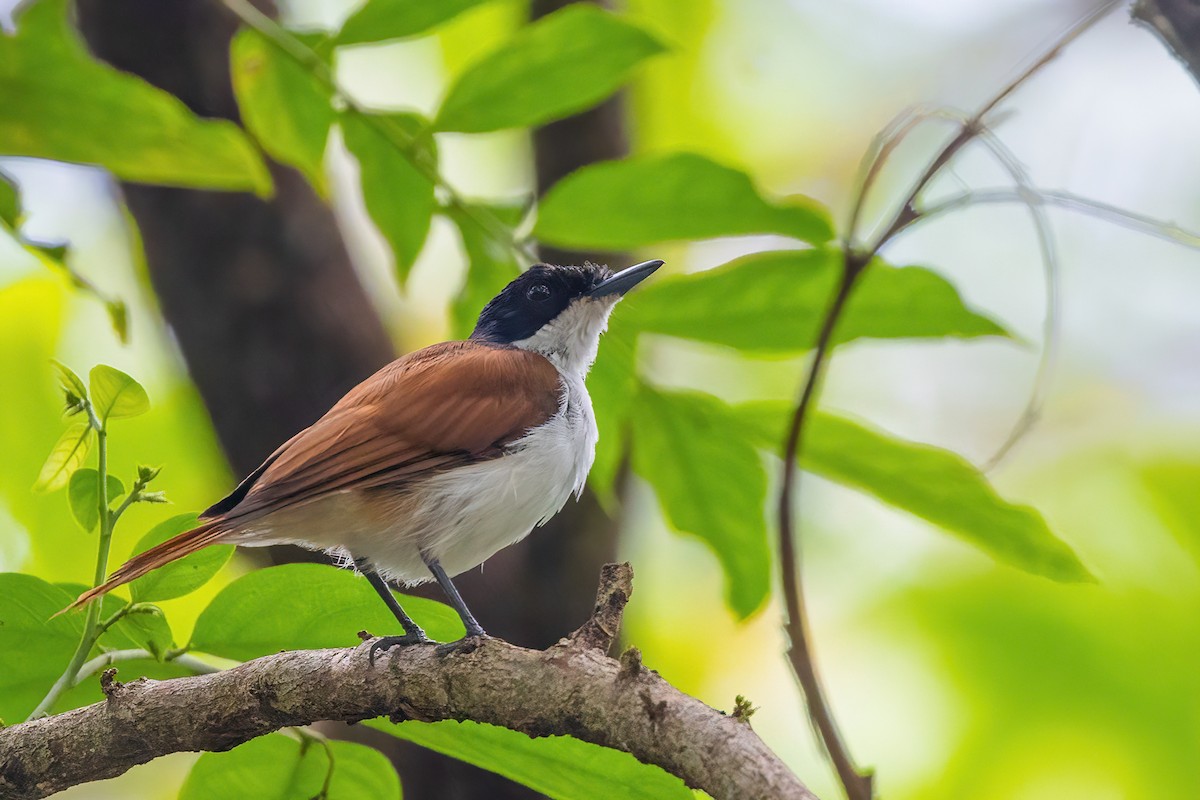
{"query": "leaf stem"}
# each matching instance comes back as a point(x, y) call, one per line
point(91, 627)
point(180, 657)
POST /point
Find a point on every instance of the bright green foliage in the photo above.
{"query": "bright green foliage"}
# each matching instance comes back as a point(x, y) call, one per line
point(184, 575)
point(306, 606)
point(67, 455)
point(559, 767)
point(83, 492)
point(490, 264)
point(710, 482)
point(146, 627)
point(612, 385)
point(278, 767)
point(398, 197)
point(934, 484)
point(115, 394)
point(634, 202)
point(561, 64)
point(56, 101)
point(774, 302)
point(287, 110)
point(34, 648)
point(1175, 488)
point(381, 20)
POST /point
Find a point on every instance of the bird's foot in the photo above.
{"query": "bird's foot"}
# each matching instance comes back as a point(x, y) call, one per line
point(387, 642)
point(467, 644)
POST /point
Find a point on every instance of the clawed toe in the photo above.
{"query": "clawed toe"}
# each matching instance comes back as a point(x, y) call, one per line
point(467, 644)
point(387, 642)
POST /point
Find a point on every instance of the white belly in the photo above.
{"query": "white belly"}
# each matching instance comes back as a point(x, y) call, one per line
point(460, 517)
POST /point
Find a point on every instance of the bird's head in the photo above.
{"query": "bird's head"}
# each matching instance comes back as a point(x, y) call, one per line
point(559, 312)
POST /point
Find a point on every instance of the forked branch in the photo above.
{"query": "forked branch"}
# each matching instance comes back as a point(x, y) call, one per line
point(572, 688)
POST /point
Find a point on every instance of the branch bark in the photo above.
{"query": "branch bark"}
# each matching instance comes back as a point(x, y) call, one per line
point(572, 688)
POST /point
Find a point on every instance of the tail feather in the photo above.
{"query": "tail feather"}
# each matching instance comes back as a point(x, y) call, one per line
point(172, 549)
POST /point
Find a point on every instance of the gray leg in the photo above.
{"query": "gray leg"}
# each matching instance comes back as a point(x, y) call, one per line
point(412, 631)
point(473, 627)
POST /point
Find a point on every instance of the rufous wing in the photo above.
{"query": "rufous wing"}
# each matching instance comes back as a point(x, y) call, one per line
point(437, 408)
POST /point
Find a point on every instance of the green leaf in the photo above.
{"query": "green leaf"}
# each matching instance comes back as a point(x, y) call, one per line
point(83, 492)
point(72, 384)
point(639, 201)
point(560, 767)
point(10, 203)
point(178, 577)
point(613, 386)
point(398, 197)
point(277, 767)
point(115, 394)
point(563, 63)
point(68, 454)
point(1174, 487)
point(57, 102)
point(34, 649)
point(491, 264)
point(381, 20)
point(710, 482)
point(144, 626)
point(306, 606)
point(934, 484)
point(775, 302)
point(287, 110)
point(118, 315)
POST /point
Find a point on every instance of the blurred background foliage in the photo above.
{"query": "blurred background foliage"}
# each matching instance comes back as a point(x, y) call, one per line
point(952, 674)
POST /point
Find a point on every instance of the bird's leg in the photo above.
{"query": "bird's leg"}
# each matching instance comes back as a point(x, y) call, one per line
point(412, 631)
point(473, 627)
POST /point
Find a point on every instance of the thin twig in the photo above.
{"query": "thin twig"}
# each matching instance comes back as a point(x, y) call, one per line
point(1167, 231)
point(858, 786)
point(1052, 274)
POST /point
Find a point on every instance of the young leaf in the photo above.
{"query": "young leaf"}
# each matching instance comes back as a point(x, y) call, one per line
point(774, 302)
point(75, 108)
point(83, 492)
point(490, 264)
point(10, 203)
point(298, 606)
point(398, 197)
point(277, 767)
point(381, 20)
point(34, 647)
point(643, 200)
point(115, 394)
point(178, 577)
point(72, 385)
point(559, 767)
point(68, 454)
point(563, 63)
point(146, 628)
point(934, 484)
point(287, 110)
point(710, 482)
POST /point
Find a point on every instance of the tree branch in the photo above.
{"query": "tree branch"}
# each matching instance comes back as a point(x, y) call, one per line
point(572, 688)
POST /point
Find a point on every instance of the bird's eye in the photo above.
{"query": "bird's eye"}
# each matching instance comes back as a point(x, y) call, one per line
point(538, 292)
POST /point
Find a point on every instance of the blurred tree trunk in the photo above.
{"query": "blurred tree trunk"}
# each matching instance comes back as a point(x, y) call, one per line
point(260, 294)
point(275, 326)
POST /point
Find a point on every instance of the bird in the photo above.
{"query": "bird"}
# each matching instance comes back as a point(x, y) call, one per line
point(441, 458)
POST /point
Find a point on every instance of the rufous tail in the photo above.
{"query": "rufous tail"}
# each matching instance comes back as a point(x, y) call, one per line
point(172, 549)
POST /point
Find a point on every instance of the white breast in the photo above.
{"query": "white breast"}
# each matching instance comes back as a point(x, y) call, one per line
point(461, 517)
